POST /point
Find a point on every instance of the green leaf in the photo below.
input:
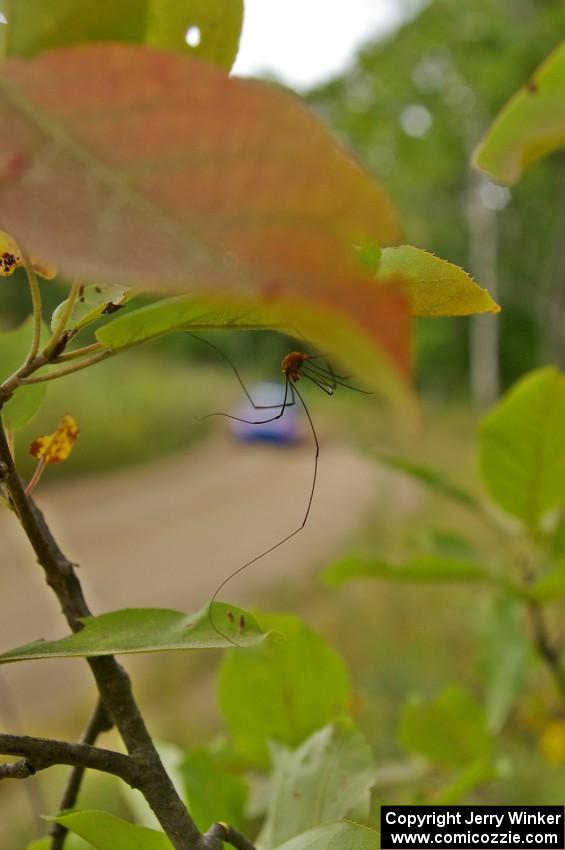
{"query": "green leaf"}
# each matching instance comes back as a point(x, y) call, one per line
point(73, 842)
point(474, 775)
point(299, 684)
point(107, 832)
point(95, 300)
point(449, 729)
point(181, 313)
point(214, 792)
point(434, 287)
point(329, 777)
point(215, 23)
point(435, 541)
point(522, 447)
point(506, 656)
point(26, 401)
point(146, 630)
point(359, 565)
point(32, 26)
point(531, 125)
point(336, 836)
point(432, 478)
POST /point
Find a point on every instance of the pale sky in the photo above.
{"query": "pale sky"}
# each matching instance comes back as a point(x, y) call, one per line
point(305, 42)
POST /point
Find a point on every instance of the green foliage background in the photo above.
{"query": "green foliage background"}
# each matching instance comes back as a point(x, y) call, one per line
point(460, 60)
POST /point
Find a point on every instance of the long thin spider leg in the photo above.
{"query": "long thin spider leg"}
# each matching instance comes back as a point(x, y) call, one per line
point(329, 372)
point(282, 406)
point(236, 373)
point(296, 531)
point(329, 390)
point(322, 375)
point(355, 389)
point(303, 371)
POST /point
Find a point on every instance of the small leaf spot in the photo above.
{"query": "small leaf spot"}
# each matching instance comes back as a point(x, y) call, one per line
point(3, 18)
point(193, 36)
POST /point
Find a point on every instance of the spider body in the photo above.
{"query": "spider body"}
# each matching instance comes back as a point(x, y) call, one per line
point(292, 363)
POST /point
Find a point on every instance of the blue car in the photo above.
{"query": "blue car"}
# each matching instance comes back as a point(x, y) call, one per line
point(284, 430)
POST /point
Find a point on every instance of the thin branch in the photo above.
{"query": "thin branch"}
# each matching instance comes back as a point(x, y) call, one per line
point(68, 370)
point(85, 350)
point(221, 832)
point(17, 770)
point(40, 753)
point(99, 722)
point(64, 317)
point(113, 683)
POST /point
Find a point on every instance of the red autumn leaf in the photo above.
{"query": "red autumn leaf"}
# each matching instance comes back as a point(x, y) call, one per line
point(143, 167)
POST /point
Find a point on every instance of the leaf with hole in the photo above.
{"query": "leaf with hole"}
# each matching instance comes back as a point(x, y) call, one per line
point(207, 29)
point(327, 778)
point(531, 125)
point(299, 684)
point(133, 630)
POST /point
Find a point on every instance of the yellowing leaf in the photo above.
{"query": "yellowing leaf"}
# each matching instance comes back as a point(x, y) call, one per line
point(43, 268)
point(9, 255)
point(11, 259)
point(434, 287)
point(56, 447)
point(530, 126)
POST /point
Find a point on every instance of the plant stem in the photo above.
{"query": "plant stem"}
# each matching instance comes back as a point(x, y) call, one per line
point(79, 352)
point(68, 370)
point(34, 480)
point(40, 753)
point(221, 832)
point(113, 683)
point(62, 320)
point(36, 306)
point(99, 722)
